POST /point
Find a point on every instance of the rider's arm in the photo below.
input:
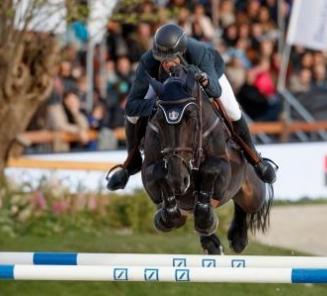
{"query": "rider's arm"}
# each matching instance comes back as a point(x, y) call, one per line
point(136, 104)
point(207, 65)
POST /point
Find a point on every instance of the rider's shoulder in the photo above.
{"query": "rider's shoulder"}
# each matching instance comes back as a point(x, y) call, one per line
point(196, 45)
point(147, 60)
point(196, 48)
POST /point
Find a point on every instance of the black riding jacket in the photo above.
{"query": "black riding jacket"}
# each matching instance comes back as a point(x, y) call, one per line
point(200, 54)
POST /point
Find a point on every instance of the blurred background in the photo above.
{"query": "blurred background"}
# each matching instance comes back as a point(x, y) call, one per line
point(82, 64)
point(66, 68)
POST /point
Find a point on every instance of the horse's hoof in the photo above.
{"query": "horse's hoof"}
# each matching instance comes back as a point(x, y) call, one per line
point(238, 239)
point(118, 180)
point(159, 224)
point(162, 223)
point(211, 244)
point(205, 219)
point(238, 246)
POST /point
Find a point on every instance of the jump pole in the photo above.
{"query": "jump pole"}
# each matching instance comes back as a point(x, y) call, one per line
point(167, 260)
point(162, 274)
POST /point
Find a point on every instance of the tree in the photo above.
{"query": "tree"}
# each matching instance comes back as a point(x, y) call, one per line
point(28, 60)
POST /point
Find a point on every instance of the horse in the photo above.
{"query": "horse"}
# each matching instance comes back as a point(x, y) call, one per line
point(192, 165)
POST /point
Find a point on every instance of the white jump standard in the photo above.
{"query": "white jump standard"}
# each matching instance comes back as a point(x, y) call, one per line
point(168, 260)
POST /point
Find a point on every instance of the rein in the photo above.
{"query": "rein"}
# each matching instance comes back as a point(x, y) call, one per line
point(199, 154)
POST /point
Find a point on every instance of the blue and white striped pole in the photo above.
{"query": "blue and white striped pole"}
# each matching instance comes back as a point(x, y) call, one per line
point(168, 260)
point(161, 274)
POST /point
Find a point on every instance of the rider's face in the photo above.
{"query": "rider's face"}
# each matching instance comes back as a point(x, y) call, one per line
point(168, 64)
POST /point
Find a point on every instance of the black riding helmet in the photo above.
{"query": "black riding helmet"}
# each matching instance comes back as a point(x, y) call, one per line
point(169, 42)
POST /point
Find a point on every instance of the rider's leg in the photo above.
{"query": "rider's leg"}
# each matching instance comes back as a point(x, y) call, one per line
point(135, 130)
point(263, 168)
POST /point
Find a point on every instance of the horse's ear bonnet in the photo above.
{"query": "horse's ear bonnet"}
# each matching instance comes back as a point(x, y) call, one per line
point(175, 94)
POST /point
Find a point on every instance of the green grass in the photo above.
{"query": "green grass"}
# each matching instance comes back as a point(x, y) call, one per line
point(302, 201)
point(108, 241)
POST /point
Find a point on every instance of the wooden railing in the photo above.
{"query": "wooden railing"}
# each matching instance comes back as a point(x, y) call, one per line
point(280, 129)
point(47, 137)
point(32, 163)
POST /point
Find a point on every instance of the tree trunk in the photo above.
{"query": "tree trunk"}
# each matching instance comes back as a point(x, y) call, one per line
point(25, 82)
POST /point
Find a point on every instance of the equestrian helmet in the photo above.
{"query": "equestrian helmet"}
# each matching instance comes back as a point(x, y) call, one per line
point(169, 42)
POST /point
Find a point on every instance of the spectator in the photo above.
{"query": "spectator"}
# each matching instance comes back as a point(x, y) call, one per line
point(307, 60)
point(226, 13)
point(230, 35)
point(320, 78)
point(202, 23)
point(253, 102)
point(252, 9)
point(265, 20)
point(236, 73)
point(116, 44)
point(301, 82)
point(82, 93)
point(65, 74)
point(184, 20)
point(67, 117)
point(117, 93)
point(139, 42)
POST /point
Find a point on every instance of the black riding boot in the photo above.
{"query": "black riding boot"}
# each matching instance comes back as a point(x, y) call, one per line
point(134, 134)
point(264, 169)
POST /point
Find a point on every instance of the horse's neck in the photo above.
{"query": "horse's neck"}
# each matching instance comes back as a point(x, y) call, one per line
point(208, 114)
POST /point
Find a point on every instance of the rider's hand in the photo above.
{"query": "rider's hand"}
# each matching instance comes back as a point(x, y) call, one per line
point(203, 78)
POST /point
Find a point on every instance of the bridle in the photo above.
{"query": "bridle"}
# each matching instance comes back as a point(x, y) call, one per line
point(197, 154)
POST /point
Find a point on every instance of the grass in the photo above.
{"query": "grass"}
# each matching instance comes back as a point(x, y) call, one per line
point(302, 201)
point(109, 241)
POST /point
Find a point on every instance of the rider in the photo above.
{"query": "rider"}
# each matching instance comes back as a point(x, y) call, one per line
point(171, 46)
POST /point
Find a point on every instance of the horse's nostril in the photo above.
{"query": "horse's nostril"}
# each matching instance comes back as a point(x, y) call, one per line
point(185, 181)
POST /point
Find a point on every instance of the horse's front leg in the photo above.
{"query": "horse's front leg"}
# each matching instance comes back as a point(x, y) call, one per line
point(213, 170)
point(168, 215)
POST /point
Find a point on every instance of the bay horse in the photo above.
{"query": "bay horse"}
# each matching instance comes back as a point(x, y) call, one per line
point(192, 165)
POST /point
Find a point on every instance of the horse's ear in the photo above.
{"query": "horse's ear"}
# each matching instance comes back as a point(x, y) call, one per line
point(157, 86)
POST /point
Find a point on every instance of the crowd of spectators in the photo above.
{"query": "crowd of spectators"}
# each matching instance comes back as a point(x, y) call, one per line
point(244, 32)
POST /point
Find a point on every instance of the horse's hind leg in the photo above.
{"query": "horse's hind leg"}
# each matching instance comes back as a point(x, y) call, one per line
point(238, 231)
point(252, 208)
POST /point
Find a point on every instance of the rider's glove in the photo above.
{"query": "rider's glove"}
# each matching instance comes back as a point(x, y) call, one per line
point(203, 78)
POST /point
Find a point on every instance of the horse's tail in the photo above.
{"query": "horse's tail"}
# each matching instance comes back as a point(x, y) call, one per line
point(260, 220)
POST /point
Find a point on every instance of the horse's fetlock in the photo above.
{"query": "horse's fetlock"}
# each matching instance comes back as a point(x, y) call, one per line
point(204, 197)
point(172, 213)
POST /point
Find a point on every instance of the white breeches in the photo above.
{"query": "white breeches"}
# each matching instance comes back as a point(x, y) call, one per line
point(227, 98)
